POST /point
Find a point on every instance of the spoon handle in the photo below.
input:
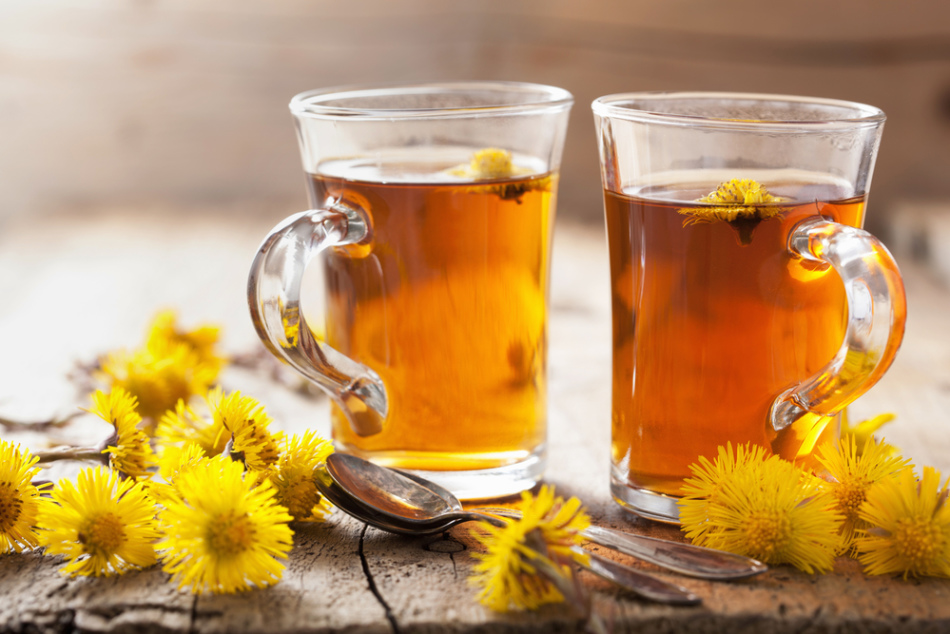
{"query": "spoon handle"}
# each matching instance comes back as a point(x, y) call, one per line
point(641, 584)
point(686, 559)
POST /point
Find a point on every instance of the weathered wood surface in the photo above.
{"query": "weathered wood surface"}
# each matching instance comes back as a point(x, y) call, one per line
point(76, 285)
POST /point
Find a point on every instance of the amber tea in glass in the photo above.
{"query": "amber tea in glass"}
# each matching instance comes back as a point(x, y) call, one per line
point(433, 207)
point(748, 306)
point(448, 311)
point(721, 325)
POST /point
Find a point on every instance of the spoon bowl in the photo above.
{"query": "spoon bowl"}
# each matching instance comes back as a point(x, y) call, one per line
point(392, 493)
point(353, 507)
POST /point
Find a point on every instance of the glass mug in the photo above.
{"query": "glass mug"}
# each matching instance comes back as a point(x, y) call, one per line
point(748, 305)
point(432, 208)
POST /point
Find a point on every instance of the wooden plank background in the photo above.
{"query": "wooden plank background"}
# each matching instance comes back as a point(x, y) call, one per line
point(184, 101)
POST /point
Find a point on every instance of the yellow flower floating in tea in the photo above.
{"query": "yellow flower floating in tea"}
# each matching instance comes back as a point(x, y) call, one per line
point(743, 203)
point(491, 163)
point(497, 164)
point(514, 572)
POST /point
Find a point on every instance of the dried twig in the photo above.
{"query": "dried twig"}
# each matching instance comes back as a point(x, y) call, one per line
point(262, 361)
point(39, 426)
point(72, 453)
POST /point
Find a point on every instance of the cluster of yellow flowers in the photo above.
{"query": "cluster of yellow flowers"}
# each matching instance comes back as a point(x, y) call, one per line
point(172, 366)
point(210, 496)
point(867, 503)
point(210, 492)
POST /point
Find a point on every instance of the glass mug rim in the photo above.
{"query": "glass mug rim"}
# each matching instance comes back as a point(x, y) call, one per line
point(636, 107)
point(501, 98)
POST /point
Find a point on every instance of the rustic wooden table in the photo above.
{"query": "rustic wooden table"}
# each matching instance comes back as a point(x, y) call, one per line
point(77, 284)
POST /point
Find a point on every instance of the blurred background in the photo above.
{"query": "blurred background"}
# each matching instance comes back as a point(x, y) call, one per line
point(183, 103)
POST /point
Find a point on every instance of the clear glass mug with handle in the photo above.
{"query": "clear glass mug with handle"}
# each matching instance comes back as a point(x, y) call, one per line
point(432, 210)
point(748, 304)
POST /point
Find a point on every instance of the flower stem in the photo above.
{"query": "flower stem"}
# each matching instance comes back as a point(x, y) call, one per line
point(71, 453)
point(41, 425)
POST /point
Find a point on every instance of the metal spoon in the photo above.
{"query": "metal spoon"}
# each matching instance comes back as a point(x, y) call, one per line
point(639, 583)
point(413, 500)
point(346, 503)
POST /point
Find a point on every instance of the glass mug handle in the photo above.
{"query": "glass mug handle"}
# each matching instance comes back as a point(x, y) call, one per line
point(877, 310)
point(273, 295)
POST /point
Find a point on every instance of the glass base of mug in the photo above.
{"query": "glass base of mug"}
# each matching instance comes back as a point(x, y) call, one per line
point(658, 507)
point(469, 485)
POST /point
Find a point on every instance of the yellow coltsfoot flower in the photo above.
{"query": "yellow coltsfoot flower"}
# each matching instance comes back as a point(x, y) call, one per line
point(865, 430)
point(852, 472)
point(171, 465)
point(763, 507)
point(741, 202)
point(741, 194)
point(173, 365)
point(487, 164)
point(497, 164)
point(224, 532)
point(703, 488)
point(20, 500)
point(158, 377)
point(511, 574)
point(294, 477)
point(164, 334)
point(103, 525)
point(129, 448)
point(247, 422)
point(491, 162)
point(179, 429)
point(908, 529)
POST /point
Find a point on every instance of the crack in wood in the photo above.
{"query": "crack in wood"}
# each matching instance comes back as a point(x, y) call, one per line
point(111, 611)
point(192, 623)
point(372, 584)
point(447, 544)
